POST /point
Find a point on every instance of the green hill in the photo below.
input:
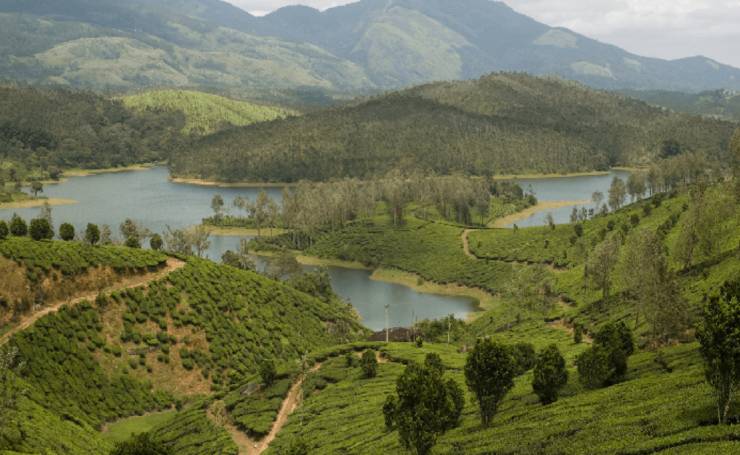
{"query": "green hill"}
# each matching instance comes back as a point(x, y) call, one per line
point(501, 124)
point(365, 45)
point(44, 130)
point(723, 104)
point(204, 113)
point(174, 340)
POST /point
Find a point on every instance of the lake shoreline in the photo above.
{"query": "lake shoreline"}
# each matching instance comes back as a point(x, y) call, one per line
point(33, 203)
point(218, 184)
point(221, 231)
point(504, 222)
point(483, 301)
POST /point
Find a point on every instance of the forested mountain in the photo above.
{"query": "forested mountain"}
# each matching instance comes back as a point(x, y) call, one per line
point(47, 129)
point(502, 123)
point(723, 104)
point(204, 113)
point(367, 45)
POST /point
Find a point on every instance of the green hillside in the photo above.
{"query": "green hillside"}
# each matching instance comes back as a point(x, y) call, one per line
point(175, 341)
point(723, 104)
point(499, 124)
point(204, 113)
point(354, 48)
point(43, 131)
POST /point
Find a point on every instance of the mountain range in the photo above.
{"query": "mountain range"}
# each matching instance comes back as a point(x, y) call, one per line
point(362, 47)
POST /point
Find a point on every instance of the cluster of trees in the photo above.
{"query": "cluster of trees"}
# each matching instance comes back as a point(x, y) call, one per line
point(605, 363)
point(474, 128)
point(44, 130)
point(426, 405)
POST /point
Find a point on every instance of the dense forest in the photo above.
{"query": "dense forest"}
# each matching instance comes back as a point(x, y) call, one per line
point(500, 124)
point(724, 104)
point(43, 131)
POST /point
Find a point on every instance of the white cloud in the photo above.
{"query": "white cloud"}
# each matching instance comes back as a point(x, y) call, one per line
point(657, 28)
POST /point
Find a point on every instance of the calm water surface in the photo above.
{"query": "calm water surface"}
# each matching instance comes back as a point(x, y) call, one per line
point(152, 200)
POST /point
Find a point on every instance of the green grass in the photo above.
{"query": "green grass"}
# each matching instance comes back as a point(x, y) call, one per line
point(650, 410)
point(125, 428)
point(204, 113)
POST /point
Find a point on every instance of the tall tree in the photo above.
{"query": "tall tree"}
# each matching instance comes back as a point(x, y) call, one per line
point(217, 205)
point(550, 374)
point(643, 270)
point(601, 263)
point(719, 335)
point(636, 186)
point(92, 234)
point(617, 193)
point(489, 374)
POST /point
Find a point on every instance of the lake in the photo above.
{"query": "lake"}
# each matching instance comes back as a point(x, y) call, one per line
point(151, 199)
point(566, 189)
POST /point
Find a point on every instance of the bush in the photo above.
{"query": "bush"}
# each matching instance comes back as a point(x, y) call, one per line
point(40, 229)
point(606, 362)
point(133, 242)
point(67, 232)
point(577, 333)
point(4, 231)
point(369, 364)
point(156, 242)
point(18, 226)
point(550, 374)
point(578, 229)
point(92, 234)
point(141, 444)
point(268, 372)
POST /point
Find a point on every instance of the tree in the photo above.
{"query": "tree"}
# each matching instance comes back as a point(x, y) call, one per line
point(92, 234)
point(67, 232)
point(40, 229)
point(735, 159)
point(574, 215)
point(261, 214)
point(654, 288)
point(636, 185)
point(597, 198)
point(426, 405)
point(369, 364)
point(18, 226)
point(177, 242)
point(106, 235)
point(268, 372)
point(200, 239)
point(601, 263)
point(240, 259)
point(283, 265)
point(141, 444)
point(606, 362)
point(702, 226)
point(594, 368)
point(130, 229)
point(719, 336)
point(217, 204)
point(4, 231)
point(550, 374)
point(489, 374)
point(617, 193)
point(550, 220)
point(132, 242)
point(524, 357)
point(156, 242)
point(10, 387)
point(37, 187)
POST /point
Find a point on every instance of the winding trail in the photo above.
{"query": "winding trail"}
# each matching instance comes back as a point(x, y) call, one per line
point(131, 282)
point(466, 244)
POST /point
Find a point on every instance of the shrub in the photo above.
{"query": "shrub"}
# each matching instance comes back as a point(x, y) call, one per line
point(489, 374)
point(132, 242)
point(4, 231)
point(369, 364)
point(18, 226)
point(92, 234)
point(419, 342)
point(67, 232)
point(268, 372)
point(40, 229)
point(578, 229)
point(577, 333)
point(606, 362)
point(141, 444)
point(550, 374)
point(156, 242)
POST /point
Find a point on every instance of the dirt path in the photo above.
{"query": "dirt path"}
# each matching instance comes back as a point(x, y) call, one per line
point(466, 244)
point(560, 324)
point(125, 283)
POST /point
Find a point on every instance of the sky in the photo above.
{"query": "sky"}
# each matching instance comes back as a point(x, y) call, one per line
point(655, 28)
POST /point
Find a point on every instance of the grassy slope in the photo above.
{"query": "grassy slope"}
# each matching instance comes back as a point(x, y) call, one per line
point(201, 329)
point(204, 113)
point(640, 415)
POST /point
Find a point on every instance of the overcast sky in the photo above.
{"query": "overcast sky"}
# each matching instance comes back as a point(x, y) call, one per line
point(656, 28)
